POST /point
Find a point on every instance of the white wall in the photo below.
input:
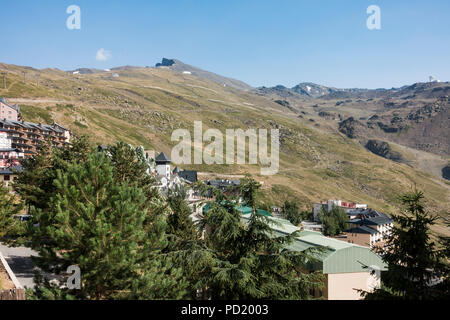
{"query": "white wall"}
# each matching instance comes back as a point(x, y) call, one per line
point(5, 143)
point(7, 112)
point(163, 170)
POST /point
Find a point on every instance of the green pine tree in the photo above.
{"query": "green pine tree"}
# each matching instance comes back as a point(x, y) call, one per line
point(110, 231)
point(186, 247)
point(250, 261)
point(291, 212)
point(417, 267)
point(130, 165)
point(35, 183)
point(333, 222)
point(249, 191)
point(179, 222)
point(9, 207)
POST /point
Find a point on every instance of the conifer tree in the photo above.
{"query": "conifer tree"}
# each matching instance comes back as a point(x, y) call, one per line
point(291, 212)
point(9, 207)
point(333, 222)
point(179, 222)
point(250, 261)
point(238, 261)
point(186, 247)
point(130, 165)
point(249, 191)
point(99, 224)
point(35, 183)
point(417, 267)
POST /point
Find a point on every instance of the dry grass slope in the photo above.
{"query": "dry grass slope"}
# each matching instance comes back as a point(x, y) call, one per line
point(144, 105)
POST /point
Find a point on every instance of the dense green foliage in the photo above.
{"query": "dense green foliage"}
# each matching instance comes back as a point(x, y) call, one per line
point(333, 222)
point(35, 184)
point(179, 222)
point(9, 207)
point(250, 261)
point(242, 261)
point(307, 215)
point(100, 210)
point(108, 230)
point(418, 267)
point(106, 218)
point(249, 190)
point(291, 212)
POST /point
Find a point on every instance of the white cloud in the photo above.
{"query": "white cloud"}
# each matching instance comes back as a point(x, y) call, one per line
point(103, 55)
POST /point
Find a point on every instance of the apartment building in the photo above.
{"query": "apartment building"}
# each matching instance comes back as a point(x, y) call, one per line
point(27, 136)
point(9, 112)
point(9, 174)
point(368, 227)
point(8, 156)
point(328, 205)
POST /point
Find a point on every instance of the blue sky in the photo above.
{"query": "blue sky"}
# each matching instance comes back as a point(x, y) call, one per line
point(259, 42)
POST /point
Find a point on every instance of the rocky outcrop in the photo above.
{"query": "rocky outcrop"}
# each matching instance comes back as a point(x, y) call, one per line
point(383, 149)
point(429, 110)
point(446, 172)
point(312, 90)
point(349, 127)
point(387, 128)
point(329, 115)
point(165, 63)
point(278, 91)
point(285, 104)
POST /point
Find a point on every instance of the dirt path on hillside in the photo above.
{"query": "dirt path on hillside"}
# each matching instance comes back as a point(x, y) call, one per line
point(21, 100)
point(213, 175)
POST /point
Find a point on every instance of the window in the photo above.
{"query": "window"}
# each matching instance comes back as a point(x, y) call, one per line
point(6, 178)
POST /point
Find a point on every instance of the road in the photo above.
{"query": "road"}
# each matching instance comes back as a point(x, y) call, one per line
point(19, 259)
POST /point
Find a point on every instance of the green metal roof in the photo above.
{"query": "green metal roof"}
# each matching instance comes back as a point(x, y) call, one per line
point(307, 232)
point(335, 256)
point(263, 212)
point(352, 259)
point(283, 225)
point(323, 241)
point(206, 207)
point(243, 209)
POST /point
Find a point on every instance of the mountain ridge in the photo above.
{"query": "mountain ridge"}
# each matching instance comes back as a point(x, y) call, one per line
point(313, 90)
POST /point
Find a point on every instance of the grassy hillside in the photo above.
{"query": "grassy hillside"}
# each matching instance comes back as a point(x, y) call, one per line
point(144, 105)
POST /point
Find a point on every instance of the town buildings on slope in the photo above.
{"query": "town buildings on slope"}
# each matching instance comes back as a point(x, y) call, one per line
point(20, 139)
point(366, 227)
